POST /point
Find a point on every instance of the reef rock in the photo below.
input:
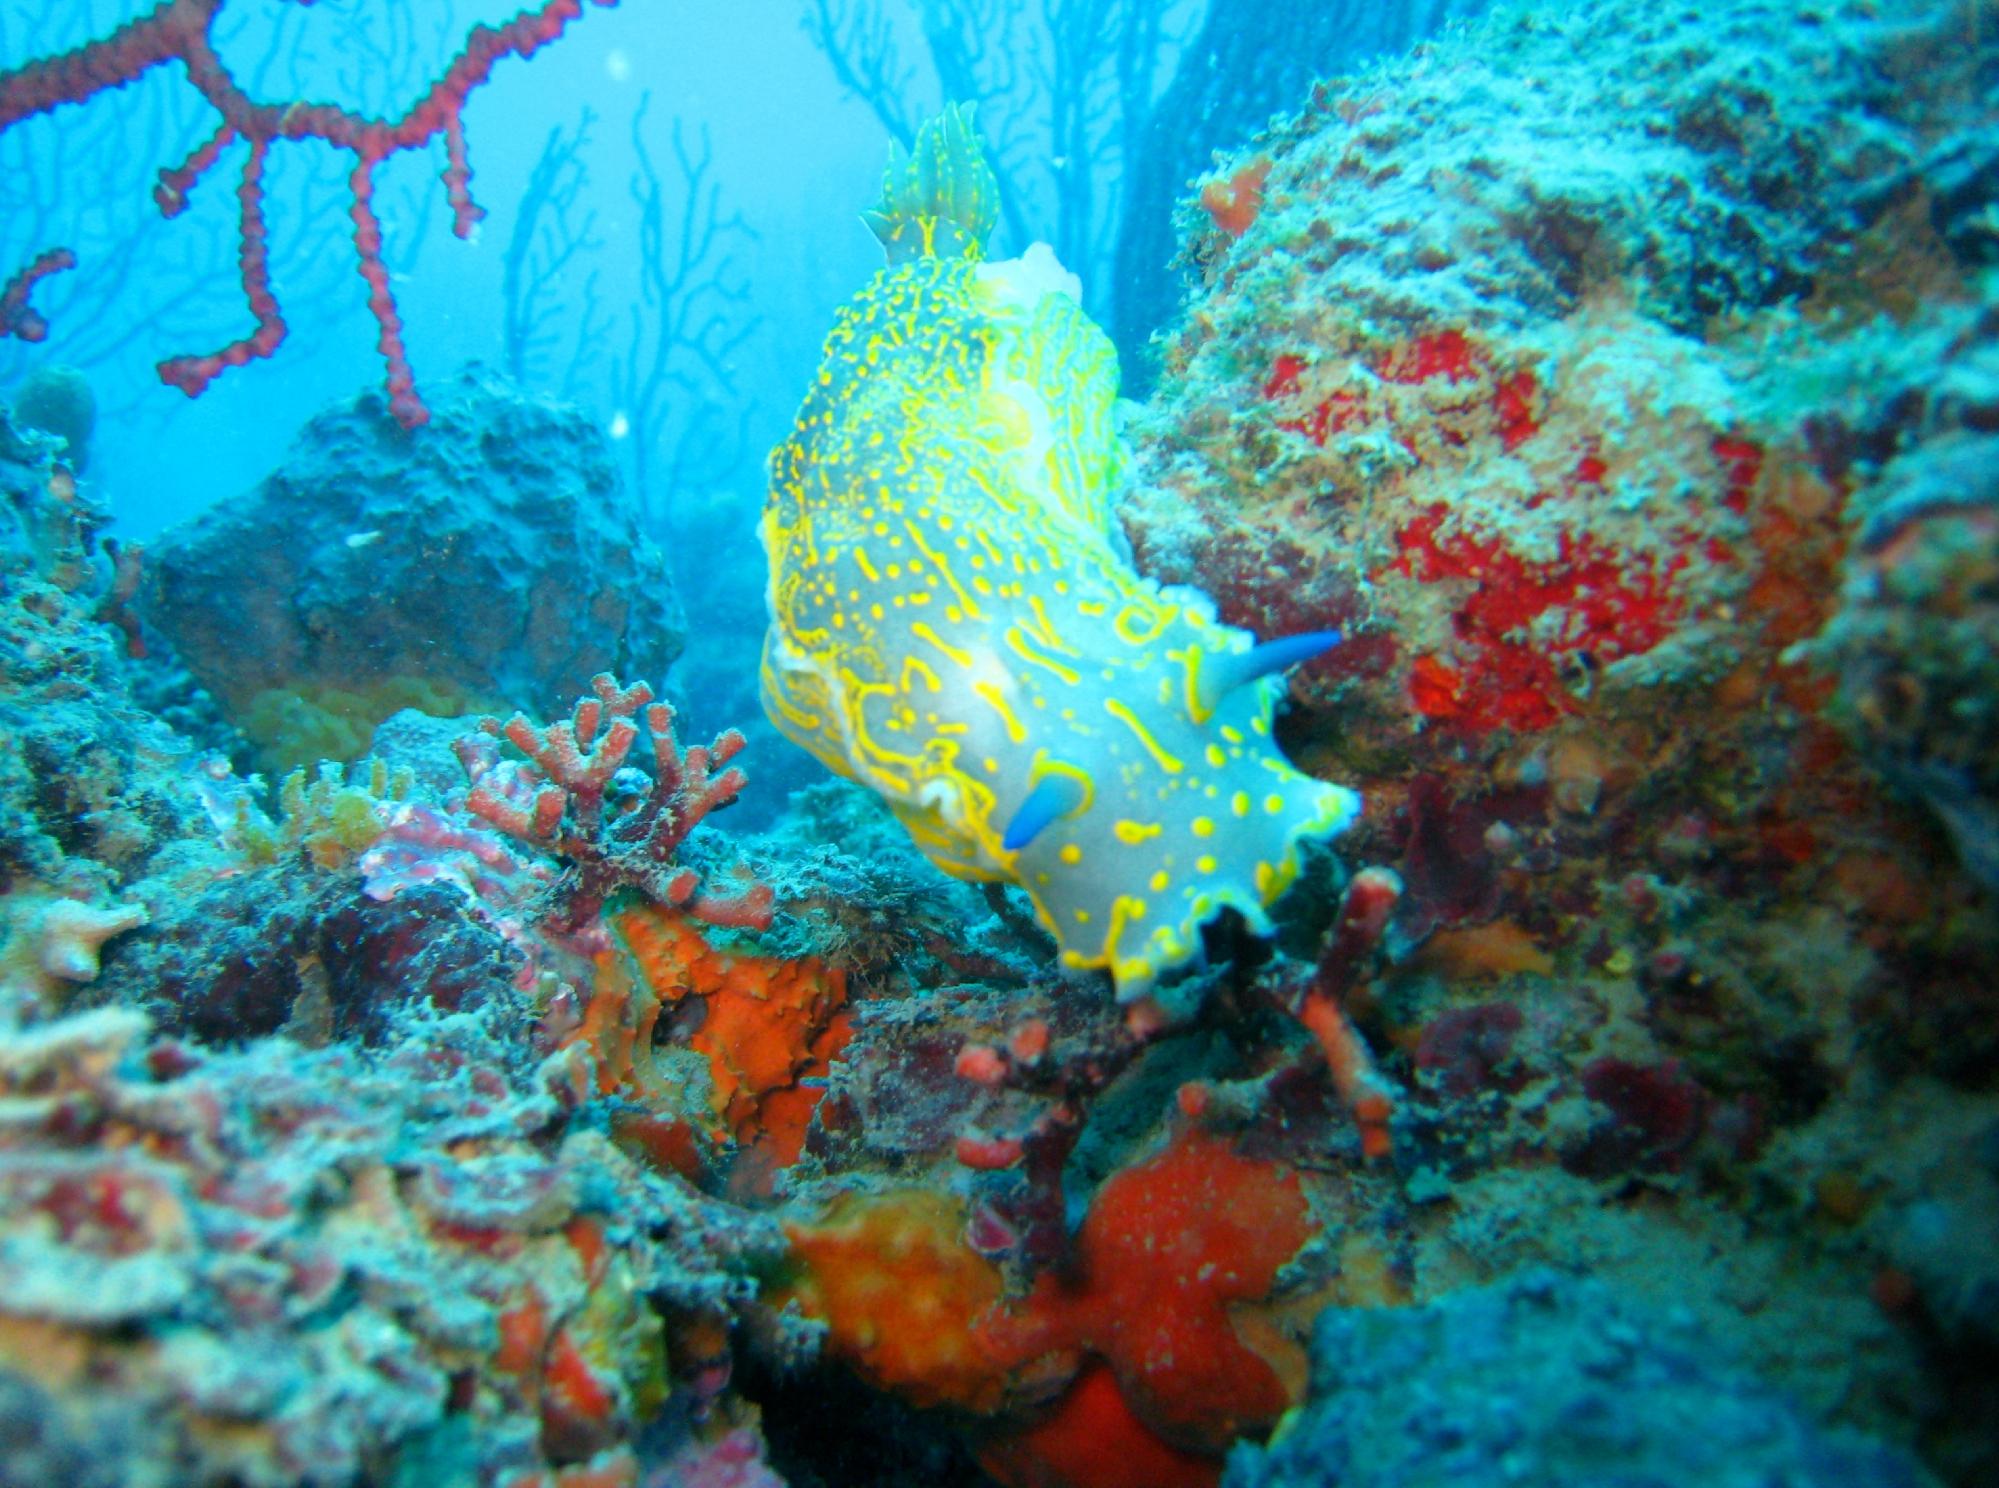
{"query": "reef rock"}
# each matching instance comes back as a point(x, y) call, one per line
point(58, 400)
point(489, 560)
point(1914, 645)
point(1545, 1380)
point(89, 784)
point(1619, 384)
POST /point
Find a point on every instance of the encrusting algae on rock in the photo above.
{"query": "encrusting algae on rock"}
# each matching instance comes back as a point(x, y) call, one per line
point(956, 624)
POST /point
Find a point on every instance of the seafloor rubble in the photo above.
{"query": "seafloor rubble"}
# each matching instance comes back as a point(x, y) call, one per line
point(484, 1111)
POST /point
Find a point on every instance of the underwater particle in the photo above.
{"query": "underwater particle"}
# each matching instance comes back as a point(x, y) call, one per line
point(955, 625)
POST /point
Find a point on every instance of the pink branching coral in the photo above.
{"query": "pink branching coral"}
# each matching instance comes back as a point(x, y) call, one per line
point(558, 803)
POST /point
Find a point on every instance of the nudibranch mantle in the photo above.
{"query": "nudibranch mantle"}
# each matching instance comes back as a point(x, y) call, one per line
point(955, 625)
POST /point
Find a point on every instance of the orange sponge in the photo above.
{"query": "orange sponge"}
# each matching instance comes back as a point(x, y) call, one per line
point(768, 1025)
point(899, 1291)
point(1169, 1247)
point(1235, 201)
point(1094, 1441)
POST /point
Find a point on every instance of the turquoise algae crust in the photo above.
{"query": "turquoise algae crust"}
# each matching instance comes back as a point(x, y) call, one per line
point(955, 622)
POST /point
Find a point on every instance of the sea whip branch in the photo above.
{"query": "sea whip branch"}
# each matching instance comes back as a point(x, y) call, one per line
point(552, 231)
point(180, 30)
point(688, 322)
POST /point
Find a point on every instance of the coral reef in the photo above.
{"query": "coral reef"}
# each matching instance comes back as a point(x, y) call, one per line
point(1914, 643)
point(768, 1027)
point(1660, 539)
point(1172, 1250)
point(283, 1265)
point(17, 317)
point(1662, 567)
point(495, 562)
point(84, 776)
point(1618, 1103)
point(307, 1177)
point(53, 940)
point(901, 1295)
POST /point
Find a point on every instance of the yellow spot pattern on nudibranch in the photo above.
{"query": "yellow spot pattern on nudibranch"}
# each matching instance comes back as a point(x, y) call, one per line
point(962, 421)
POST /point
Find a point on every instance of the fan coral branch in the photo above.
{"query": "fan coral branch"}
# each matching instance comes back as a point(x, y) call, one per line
point(180, 30)
point(558, 803)
point(17, 316)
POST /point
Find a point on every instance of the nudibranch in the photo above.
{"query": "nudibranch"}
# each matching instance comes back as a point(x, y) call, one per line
point(956, 623)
